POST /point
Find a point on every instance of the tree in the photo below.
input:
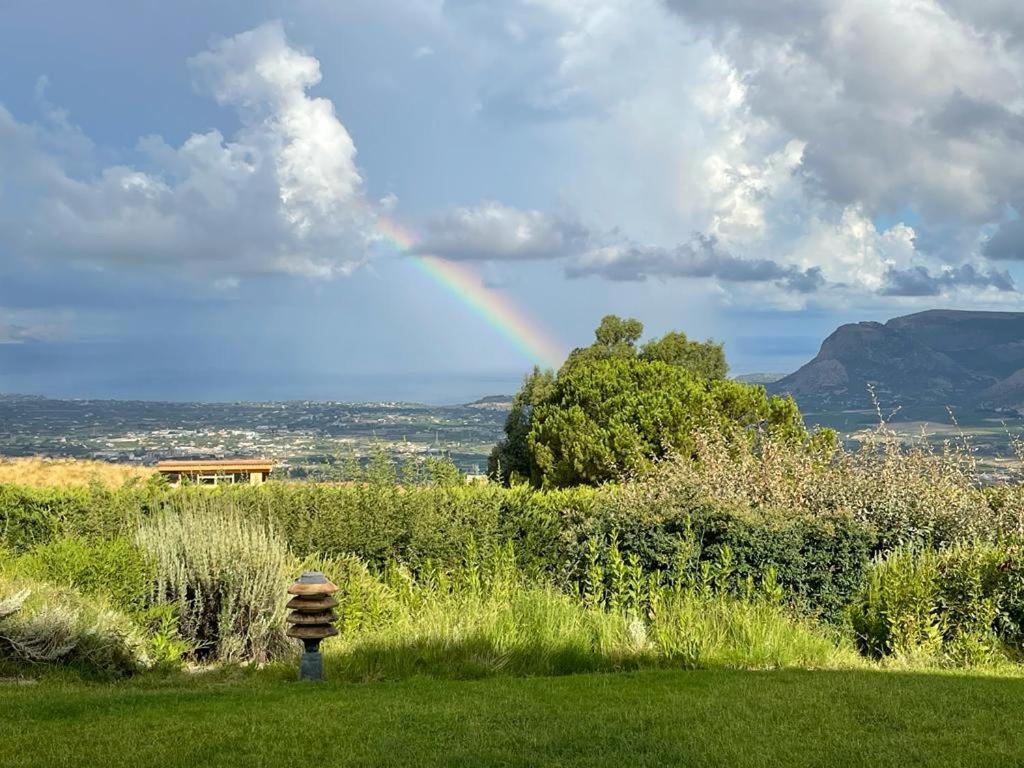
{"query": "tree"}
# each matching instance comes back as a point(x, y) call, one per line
point(613, 338)
point(612, 410)
point(510, 459)
point(611, 419)
point(705, 359)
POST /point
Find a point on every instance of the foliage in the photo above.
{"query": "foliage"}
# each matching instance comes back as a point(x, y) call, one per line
point(510, 461)
point(960, 605)
point(111, 568)
point(809, 512)
point(918, 494)
point(818, 561)
point(488, 616)
point(226, 575)
point(705, 359)
point(613, 410)
point(31, 516)
point(612, 419)
point(45, 625)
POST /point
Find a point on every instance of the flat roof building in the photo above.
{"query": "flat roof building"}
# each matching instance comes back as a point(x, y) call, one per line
point(216, 471)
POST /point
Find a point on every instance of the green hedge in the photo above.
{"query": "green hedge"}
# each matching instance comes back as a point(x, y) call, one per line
point(819, 560)
point(101, 567)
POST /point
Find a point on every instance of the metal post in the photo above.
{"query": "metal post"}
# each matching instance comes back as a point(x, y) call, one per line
point(311, 667)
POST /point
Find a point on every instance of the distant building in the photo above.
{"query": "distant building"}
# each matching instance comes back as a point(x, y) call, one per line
point(216, 471)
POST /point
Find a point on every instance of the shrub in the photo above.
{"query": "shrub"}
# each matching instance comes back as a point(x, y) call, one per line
point(819, 559)
point(895, 612)
point(962, 604)
point(920, 494)
point(32, 516)
point(45, 625)
point(25, 516)
point(113, 568)
point(227, 577)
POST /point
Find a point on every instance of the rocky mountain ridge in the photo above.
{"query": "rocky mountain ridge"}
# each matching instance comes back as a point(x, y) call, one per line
point(936, 357)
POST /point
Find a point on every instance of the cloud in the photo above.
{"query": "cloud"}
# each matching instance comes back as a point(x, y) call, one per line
point(19, 327)
point(900, 104)
point(700, 258)
point(786, 133)
point(15, 334)
point(495, 232)
point(919, 281)
point(1007, 244)
point(282, 195)
point(850, 257)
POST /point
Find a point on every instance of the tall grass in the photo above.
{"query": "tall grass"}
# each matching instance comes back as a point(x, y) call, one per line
point(488, 616)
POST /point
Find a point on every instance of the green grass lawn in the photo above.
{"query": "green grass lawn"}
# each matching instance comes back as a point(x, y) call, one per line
point(694, 718)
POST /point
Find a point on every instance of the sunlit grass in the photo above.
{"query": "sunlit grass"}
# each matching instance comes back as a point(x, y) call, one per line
point(40, 472)
point(652, 718)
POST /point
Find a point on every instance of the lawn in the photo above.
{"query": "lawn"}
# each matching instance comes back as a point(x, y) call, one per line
point(694, 718)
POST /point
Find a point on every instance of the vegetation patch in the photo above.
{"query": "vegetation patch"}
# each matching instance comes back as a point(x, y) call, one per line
point(664, 717)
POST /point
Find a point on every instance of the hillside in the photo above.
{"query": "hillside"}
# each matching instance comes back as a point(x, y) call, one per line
point(932, 358)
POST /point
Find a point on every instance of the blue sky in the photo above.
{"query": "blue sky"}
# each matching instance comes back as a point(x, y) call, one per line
point(191, 193)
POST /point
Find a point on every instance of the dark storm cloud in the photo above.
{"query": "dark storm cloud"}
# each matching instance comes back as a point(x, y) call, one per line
point(918, 281)
point(1007, 244)
point(702, 257)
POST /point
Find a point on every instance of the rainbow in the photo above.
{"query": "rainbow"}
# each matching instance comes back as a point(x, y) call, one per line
point(466, 285)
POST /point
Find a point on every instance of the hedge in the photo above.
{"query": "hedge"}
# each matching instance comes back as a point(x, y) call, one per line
point(819, 560)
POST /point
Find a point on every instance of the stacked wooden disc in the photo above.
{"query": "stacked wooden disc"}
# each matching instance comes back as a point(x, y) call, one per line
point(311, 617)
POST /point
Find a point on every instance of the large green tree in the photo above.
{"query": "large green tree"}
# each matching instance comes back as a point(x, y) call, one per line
point(613, 409)
point(705, 359)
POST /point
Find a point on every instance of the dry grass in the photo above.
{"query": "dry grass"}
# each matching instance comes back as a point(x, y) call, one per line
point(42, 472)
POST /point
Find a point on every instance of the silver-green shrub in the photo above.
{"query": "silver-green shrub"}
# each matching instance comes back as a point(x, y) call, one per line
point(227, 575)
point(45, 625)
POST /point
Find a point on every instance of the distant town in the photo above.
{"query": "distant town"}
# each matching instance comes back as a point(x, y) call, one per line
point(305, 439)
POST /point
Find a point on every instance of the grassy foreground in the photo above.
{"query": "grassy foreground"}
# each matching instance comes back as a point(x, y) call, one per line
point(694, 718)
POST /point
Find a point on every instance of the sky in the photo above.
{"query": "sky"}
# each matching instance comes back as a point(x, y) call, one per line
point(422, 199)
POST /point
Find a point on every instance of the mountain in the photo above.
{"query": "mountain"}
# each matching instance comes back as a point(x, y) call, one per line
point(493, 403)
point(938, 357)
point(759, 378)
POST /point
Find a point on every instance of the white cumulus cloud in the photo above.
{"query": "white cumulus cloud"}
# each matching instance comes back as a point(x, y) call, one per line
point(282, 195)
